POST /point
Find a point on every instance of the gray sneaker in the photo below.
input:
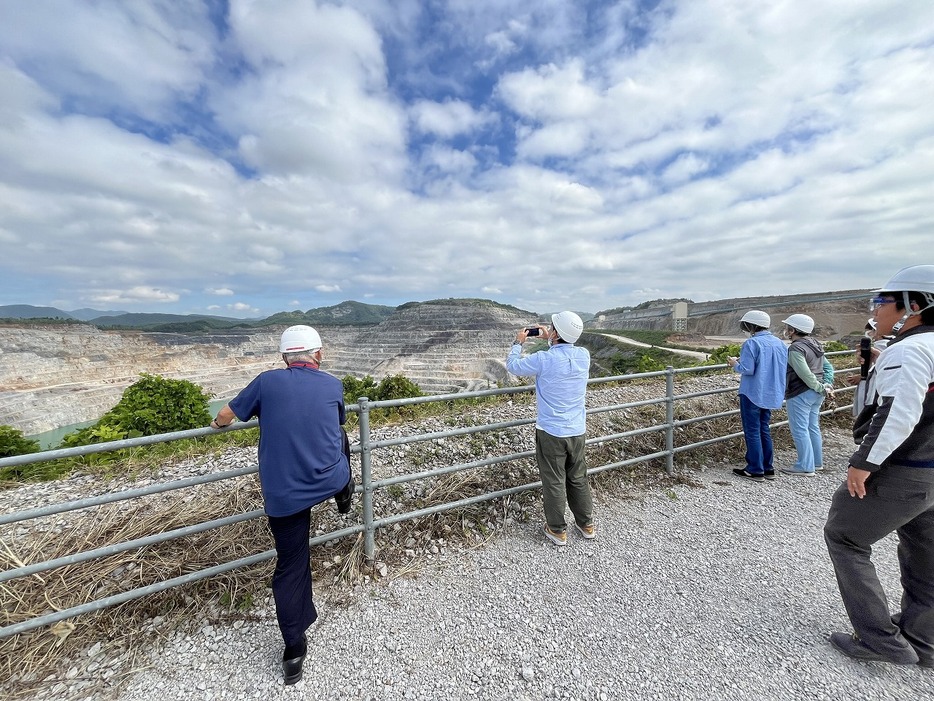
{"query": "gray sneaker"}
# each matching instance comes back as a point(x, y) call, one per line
point(792, 471)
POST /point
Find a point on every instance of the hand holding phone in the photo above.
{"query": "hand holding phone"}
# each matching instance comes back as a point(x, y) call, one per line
point(533, 331)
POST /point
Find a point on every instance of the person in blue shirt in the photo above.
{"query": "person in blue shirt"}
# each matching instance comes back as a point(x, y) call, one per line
point(561, 375)
point(303, 460)
point(761, 364)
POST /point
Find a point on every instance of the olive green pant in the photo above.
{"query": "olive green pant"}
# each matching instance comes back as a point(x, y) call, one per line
point(562, 466)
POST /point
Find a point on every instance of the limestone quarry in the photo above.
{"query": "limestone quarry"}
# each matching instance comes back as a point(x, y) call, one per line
point(60, 375)
point(52, 376)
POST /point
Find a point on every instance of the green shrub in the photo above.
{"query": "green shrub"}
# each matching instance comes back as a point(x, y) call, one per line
point(13, 442)
point(397, 387)
point(833, 346)
point(354, 388)
point(150, 406)
point(720, 354)
point(649, 364)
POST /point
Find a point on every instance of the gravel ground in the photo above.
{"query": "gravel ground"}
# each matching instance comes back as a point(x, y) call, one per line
point(722, 591)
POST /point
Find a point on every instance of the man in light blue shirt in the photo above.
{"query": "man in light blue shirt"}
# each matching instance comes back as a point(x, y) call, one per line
point(762, 361)
point(561, 375)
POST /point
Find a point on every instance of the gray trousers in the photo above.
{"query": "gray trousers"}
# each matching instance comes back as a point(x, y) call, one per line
point(562, 466)
point(899, 499)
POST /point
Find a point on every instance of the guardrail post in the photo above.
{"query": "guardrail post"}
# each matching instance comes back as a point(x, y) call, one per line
point(366, 478)
point(670, 419)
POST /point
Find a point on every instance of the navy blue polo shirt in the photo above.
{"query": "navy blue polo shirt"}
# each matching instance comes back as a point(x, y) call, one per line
point(301, 458)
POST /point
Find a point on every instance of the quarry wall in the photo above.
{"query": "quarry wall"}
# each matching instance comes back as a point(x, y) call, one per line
point(52, 376)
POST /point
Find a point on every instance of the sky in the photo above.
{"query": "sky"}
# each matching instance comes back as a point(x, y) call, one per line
point(244, 157)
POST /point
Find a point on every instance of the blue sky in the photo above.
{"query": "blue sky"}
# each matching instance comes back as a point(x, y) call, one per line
point(246, 157)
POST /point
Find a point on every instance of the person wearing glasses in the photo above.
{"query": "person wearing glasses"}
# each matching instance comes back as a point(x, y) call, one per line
point(890, 485)
point(561, 375)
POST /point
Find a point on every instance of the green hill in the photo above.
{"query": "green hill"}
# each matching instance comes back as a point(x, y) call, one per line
point(28, 311)
point(347, 313)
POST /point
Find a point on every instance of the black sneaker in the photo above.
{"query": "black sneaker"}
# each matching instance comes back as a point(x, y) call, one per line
point(852, 646)
point(769, 474)
point(749, 475)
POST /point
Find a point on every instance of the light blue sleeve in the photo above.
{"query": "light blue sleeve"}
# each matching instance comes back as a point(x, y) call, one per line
point(748, 358)
point(528, 366)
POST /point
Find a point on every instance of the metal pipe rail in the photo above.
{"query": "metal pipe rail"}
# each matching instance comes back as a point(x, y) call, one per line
point(370, 522)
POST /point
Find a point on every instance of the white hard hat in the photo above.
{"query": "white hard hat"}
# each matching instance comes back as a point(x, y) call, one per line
point(568, 325)
point(800, 322)
point(914, 278)
point(297, 339)
point(871, 323)
point(757, 318)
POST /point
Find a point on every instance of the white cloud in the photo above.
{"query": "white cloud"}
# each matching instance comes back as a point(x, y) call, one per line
point(550, 92)
point(243, 307)
point(134, 295)
point(448, 118)
point(679, 152)
point(130, 56)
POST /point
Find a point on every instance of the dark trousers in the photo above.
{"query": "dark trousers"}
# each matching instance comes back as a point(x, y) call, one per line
point(899, 499)
point(757, 434)
point(562, 465)
point(291, 582)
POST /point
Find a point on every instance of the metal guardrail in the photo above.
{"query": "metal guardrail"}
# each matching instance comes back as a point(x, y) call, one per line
point(365, 448)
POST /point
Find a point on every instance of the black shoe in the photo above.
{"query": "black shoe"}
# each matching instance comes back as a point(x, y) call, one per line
point(769, 474)
point(344, 497)
point(851, 646)
point(923, 661)
point(292, 660)
point(749, 475)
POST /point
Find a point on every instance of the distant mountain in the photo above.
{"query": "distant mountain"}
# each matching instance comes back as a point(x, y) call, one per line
point(87, 314)
point(168, 322)
point(27, 311)
point(347, 313)
point(585, 316)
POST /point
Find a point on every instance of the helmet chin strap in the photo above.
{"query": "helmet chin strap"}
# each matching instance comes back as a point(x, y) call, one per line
point(897, 326)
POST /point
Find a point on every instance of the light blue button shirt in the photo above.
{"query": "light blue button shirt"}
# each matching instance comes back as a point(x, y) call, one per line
point(561, 375)
point(763, 360)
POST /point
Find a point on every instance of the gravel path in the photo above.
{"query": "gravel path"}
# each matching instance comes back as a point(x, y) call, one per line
point(722, 591)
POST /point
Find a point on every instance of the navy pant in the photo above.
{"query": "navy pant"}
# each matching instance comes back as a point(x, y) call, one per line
point(758, 436)
point(291, 582)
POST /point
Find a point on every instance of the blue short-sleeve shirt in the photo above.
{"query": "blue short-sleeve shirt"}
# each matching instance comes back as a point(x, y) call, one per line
point(301, 457)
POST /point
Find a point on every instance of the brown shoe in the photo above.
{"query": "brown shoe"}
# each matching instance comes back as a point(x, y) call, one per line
point(556, 537)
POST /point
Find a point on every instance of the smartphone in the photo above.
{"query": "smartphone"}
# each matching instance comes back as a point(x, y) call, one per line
point(533, 331)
